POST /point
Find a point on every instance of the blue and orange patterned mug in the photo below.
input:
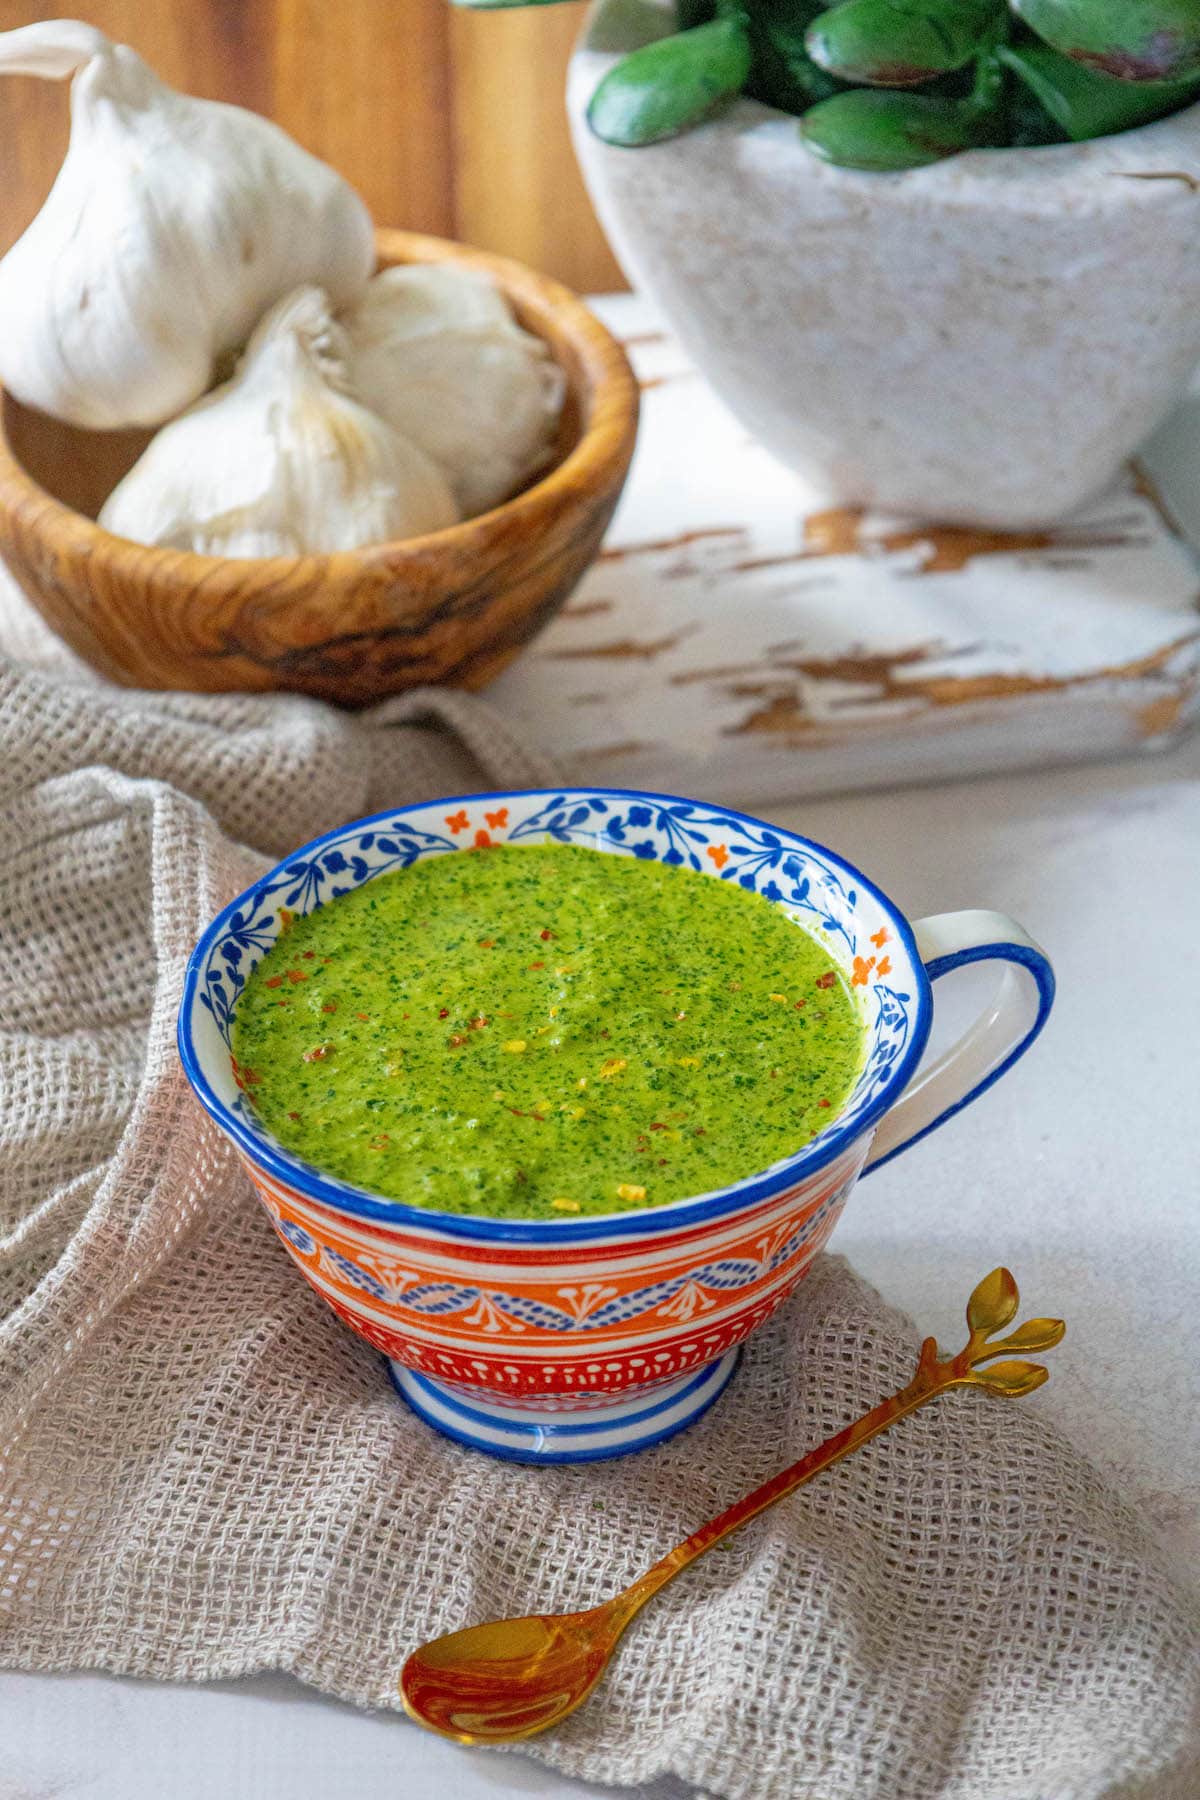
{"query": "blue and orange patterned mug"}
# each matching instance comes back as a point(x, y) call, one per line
point(567, 1340)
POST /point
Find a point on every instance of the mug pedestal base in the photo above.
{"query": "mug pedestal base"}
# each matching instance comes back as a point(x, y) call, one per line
point(531, 1435)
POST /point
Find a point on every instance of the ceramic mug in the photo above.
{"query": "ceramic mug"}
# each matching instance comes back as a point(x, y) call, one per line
point(572, 1339)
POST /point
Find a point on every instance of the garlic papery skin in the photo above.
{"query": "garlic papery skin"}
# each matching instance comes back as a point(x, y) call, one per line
point(435, 350)
point(281, 461)
point(173, 224)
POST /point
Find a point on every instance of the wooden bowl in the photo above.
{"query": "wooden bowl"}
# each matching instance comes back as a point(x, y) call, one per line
point(453, 606)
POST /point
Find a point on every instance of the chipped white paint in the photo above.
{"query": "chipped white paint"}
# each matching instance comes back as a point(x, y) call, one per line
point(719, 648)
point(983, 340)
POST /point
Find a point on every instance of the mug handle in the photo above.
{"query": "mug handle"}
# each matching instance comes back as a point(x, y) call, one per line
point(1002, 1032)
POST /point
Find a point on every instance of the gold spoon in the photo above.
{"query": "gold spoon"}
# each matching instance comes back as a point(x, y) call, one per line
point(511, 1678)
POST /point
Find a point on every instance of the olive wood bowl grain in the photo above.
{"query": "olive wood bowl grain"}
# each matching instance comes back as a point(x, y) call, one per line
point(453, 606)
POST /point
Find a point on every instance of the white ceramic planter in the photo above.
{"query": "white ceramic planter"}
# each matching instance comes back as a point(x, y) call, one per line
point(983, 341)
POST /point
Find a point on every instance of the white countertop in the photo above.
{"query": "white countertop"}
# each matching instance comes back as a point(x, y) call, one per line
point(1079, 1171)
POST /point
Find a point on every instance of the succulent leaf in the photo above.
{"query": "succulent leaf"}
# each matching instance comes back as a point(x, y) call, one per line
point(783, 74)
point(899, 43)
point(877, 129)
point(1074, 69)
point(1131, 40)
point(666, 87)
point(1030, 126)
point(993, 1303)
point(1087, 104)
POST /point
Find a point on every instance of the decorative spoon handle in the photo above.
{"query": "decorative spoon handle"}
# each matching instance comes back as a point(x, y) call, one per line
point(990, 1308)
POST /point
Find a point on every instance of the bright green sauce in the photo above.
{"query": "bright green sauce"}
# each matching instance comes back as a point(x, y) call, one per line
point(544, 1031)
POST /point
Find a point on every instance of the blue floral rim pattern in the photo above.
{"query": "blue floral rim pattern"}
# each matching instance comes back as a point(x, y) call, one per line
point(785, 868)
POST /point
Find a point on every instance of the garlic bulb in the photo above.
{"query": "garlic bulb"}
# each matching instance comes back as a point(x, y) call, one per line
point(172, 226)
point(435, 350)
point(280, 460)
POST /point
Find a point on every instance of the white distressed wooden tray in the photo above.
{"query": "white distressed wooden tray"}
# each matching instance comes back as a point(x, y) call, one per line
point(734, 642)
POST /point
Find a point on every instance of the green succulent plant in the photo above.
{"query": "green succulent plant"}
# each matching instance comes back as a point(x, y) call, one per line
point(894, 84)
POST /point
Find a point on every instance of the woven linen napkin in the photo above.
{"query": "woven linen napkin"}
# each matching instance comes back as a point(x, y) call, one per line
point(203, 1474)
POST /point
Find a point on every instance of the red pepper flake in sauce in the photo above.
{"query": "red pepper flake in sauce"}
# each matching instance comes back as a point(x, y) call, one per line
point(444, 1013)
point(380, 1141)
point(294, 975)
point(546, 934)
point(295, 1116)
point(700, 1132)
point(330, 1006)
point(657, 1127)
point(822, 1103)
point(318, 1053)
point(308, 955)
point(273, 981)
point(366, 1017)
point(800, 1005)
point(827, 980)
point(457, 1039)
point(537, 965)
point(251, 1077)
point(478, 1023)
point(487, 943)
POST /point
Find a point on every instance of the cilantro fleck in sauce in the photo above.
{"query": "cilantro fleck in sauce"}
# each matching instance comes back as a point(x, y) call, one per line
point(545, 1031)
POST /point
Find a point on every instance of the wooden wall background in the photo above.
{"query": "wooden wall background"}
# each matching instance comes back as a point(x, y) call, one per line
point(445, 121)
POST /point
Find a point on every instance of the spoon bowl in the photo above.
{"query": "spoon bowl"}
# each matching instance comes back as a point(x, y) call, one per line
point(510, 1678)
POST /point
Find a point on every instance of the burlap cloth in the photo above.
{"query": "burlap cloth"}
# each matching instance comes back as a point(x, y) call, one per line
point(203, 1474)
